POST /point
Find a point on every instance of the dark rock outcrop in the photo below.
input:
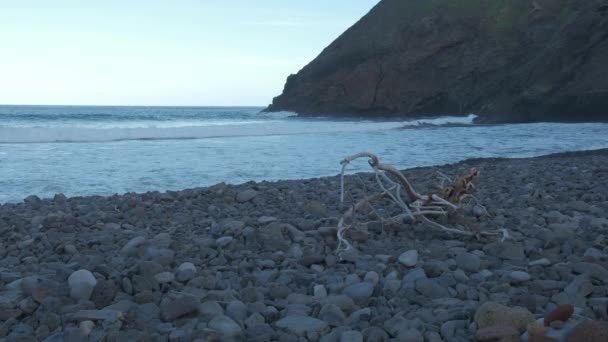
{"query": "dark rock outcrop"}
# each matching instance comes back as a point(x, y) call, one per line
point(506, 60)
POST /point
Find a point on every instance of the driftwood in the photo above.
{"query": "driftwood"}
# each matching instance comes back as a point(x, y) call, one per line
point(449, 201)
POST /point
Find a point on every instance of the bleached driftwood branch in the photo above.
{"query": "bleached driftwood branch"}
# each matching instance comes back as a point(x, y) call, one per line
point(444, 202)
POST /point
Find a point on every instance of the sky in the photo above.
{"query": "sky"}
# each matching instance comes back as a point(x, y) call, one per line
point(162, 52)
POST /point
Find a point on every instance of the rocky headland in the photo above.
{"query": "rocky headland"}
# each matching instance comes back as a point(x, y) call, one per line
point(507, 61)
point(257, 261)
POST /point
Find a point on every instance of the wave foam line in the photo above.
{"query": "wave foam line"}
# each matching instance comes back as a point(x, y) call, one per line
point(10, 134)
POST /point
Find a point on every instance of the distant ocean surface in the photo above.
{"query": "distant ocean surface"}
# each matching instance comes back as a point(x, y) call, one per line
point(91, 150)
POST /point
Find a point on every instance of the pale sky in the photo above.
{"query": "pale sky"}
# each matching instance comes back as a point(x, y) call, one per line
point(170, 52)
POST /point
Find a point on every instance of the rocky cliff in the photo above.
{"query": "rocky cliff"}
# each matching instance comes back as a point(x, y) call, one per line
point(506, 60)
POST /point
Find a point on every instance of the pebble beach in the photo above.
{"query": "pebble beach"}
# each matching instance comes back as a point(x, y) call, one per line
point(257, 262)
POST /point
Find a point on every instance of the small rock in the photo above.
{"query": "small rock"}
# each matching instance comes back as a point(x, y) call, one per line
point(535, 328)
point(131, 246)
point(409, 258)
point(164, 277)
point(492, 314)
point(557, 325)
point(185, 272)
point(319, 291)
point(411, 335)
point(86, 327)
point(301, 325)
point(316, 209)
point(593, 270)
point(561, 313)
point(210, 309)
point(431, 288)
point(468, 262)
point(351, 336)
point(225, 325)
point(496, 332)
point(224, 241)
point(82, 283)
point(519, 277)
point(246, 196)
point(236, 310)
point(593, 254)
point(98, 315)
point(540, 262)
point(360, 291)
point(332, 315)
point(177, 308)
point(589, 331)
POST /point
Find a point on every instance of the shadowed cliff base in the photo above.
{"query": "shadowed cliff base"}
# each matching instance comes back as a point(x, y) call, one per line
point(505, 60)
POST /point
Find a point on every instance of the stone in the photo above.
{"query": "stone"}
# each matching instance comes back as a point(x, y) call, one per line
point(301, 325)
point(372, 277)
point(236, 310)
point(316, 209)
point(98, 315)
point(37, 287)
point(225, 326)
point(492, 314)
point(375, 334)
point(246, 196)
point(517, 277)
point(224, 241)
point(351, 336)
point(589, 331)
point(557, 325)
point(173, 309)
point(508, 250)
point(86, 327)
point(28, 305)
point(131, 246)
point(414, 275)
point(104, 293)
point(535, 328)
point(496, 332)
point(272, 237)
point(541, 338)
point(448, 329)
point(185, 272)
point(210, 309)
point(540, 262)
point(81, 283)
point(319, 291)
point(431, 288)
point(360, 291)
point(593, 254)
point(345, 303)
point(560, 313)
point(593, 270)
point(410, 335)
point(21, 333)
point(164, 277)
point(332, 315)
point(360, 315)
point(468, 262)
point(409, 258)
point(162, 256)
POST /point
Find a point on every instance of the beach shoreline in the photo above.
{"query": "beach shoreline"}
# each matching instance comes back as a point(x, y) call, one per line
point(258, 260)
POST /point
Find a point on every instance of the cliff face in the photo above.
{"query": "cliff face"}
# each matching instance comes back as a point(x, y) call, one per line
point(506, 60)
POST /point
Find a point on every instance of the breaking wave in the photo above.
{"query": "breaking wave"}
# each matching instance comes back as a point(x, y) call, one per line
point(20, 134)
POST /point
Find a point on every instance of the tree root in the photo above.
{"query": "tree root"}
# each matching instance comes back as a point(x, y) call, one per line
point(449, 201)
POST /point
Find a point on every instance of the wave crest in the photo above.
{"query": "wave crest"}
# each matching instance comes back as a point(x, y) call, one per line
point(10, 134)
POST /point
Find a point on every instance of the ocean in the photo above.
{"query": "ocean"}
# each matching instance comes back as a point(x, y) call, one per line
point(102, 150)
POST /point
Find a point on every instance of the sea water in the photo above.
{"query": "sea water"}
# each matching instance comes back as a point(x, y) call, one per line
point(93, 150)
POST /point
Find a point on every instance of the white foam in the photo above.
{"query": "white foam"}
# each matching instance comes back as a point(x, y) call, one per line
point(15, 134)
point(443, 121)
